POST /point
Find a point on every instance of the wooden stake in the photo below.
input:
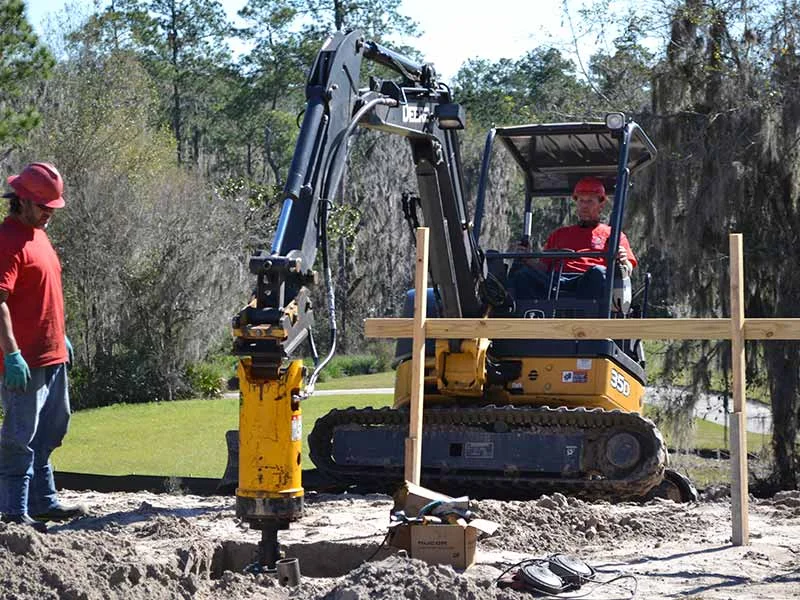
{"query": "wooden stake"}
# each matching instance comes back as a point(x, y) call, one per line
point(739, 494)
point(413, 447)
point(739, 491)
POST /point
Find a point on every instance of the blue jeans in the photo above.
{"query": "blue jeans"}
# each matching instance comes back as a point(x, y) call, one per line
point(529, 282)
point(34, 424)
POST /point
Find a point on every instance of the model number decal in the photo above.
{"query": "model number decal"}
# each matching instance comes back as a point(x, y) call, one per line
point(416, 114)
point(479, 450)
point(619, 383)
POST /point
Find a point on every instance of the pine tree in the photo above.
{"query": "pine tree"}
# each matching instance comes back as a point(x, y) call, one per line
point(24, 63)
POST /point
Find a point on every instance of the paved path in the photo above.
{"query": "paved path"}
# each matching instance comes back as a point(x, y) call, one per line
point(711, 407)
point(356, 392)
point(369, 391)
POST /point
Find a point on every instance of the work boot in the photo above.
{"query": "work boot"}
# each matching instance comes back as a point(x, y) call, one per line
point(62, 512)
point(25, 520)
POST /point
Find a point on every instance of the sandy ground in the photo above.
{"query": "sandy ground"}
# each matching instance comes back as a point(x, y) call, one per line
point(154, 546)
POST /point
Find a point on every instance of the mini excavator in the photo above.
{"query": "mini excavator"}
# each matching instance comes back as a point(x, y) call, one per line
point(511, 417)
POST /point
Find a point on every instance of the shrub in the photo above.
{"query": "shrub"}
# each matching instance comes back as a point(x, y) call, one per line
point(129, 377)
point(383, 350)
point(206, 380)
point(348, 366)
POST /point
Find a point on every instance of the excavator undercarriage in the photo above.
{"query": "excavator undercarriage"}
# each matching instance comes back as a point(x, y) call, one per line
point(496, 451)
point(567, 421)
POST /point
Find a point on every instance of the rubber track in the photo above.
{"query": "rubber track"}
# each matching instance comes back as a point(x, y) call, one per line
point(649, 473)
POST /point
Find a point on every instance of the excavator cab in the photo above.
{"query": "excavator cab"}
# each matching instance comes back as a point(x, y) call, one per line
point(552, 159)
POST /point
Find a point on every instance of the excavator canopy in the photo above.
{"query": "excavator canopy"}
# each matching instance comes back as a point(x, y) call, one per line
point(555, 156)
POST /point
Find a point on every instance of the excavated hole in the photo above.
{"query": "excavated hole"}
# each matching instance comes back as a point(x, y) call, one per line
point(317, 559)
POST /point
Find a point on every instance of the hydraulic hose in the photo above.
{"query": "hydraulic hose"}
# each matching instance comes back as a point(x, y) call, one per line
point(334, 171)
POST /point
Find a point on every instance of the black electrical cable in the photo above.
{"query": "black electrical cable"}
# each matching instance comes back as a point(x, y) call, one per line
point(519, 564)
point(381, 545)
point(568, 586)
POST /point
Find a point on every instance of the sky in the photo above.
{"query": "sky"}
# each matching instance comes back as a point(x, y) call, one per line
point(454, 31)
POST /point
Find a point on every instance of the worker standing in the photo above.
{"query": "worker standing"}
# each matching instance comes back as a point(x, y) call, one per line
point(36, 351)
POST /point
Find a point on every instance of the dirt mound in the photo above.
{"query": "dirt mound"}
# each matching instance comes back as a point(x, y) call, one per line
point(147, 546)
point(129, 549)
point(411, 579)
point(560, 524)
point(82, 565)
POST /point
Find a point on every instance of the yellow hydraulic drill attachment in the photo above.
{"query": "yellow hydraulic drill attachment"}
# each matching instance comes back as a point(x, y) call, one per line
point(270, 491)
point(269, 495)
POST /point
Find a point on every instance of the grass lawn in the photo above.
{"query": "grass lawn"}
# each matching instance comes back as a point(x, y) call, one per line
point(359, 382)
point(185, 438)
point(706, 435)
point(711, 435)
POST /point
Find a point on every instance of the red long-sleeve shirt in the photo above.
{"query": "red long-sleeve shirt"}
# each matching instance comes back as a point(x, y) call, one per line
point(585, 239)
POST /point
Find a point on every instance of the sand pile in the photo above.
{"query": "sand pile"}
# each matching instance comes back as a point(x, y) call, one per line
point(161, 546)
point(560, 524)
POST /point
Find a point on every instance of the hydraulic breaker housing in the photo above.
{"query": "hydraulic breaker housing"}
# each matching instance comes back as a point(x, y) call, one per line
point(270, 492)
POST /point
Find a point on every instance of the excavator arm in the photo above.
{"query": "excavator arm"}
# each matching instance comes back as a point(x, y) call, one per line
point(416, 107)
point(271, 328)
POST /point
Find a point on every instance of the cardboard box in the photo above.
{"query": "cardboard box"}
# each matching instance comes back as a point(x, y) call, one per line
point(441, 544)
point(400, 536)
point(436, 543)
point(444, 544)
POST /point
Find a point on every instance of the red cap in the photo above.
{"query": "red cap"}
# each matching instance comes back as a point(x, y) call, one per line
point(40, 183)
point(589, 185)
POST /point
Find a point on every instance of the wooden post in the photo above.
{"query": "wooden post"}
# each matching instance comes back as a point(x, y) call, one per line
point(739, 491)
point(413, 448)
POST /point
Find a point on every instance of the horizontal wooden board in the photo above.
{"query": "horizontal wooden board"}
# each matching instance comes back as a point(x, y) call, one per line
point(647, 329)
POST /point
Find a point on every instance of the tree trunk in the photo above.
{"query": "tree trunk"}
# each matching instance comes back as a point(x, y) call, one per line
point(176, 93)
point(196, 147)
point(782, 370)
point(249, 160)
point(343, 292)
point(338, 15)
point(270, 159)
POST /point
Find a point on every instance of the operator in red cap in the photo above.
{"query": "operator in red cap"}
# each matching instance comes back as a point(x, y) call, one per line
point(36, 351)
point(583, 275)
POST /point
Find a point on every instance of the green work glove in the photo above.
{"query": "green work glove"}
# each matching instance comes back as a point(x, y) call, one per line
point(70, 352)
point(17, 372)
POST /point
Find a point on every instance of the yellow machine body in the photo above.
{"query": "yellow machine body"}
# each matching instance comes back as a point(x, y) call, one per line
point(585, 382)
point(590, 382)
point(270, 442)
